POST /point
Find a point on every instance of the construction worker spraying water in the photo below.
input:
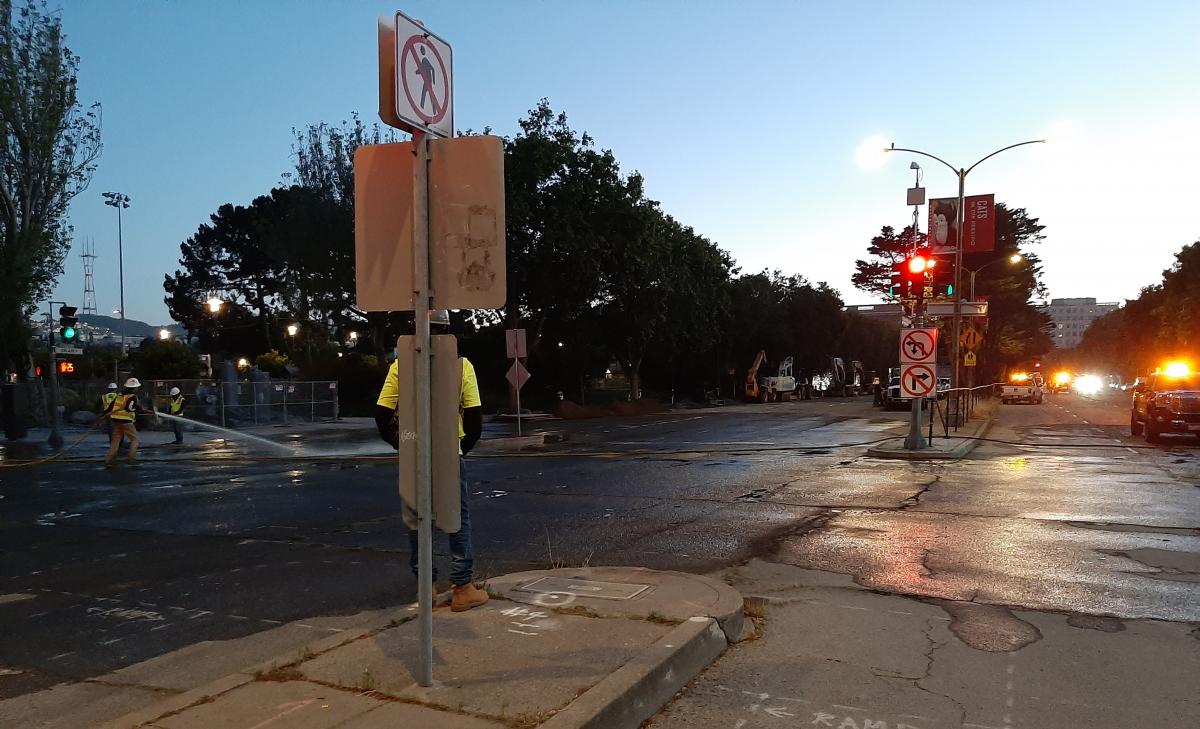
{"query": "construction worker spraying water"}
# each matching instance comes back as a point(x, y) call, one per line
point(122, 412)
point(175, 407)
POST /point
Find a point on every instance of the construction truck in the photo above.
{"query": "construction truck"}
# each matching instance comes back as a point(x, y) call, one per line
point(770, 389)
point(842, 382)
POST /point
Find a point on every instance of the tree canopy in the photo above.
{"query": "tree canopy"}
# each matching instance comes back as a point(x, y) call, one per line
point(598, 274)
point(1016, 327)
point(1161, 323)
point(49, 144)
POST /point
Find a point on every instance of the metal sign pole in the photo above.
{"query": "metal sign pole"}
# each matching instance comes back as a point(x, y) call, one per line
point(421, 299)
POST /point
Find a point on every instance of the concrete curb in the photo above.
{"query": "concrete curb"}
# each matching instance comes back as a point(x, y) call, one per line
point(970, 442)
point(637, 690)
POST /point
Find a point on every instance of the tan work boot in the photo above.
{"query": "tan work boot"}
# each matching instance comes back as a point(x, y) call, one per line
point(466, 597)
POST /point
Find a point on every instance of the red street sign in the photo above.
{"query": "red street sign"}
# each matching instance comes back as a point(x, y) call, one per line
point(979, 233)
point(517, 375)
point(918, 346)
point(917, 380)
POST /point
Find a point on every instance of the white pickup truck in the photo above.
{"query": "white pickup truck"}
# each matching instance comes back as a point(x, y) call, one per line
point(1023, 388)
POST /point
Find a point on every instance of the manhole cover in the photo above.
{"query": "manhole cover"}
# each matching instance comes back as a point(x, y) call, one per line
point(584, 588)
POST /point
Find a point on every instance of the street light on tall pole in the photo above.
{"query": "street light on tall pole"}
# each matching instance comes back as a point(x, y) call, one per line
point(961, 173)
point(119, 201)
point(1013, 259)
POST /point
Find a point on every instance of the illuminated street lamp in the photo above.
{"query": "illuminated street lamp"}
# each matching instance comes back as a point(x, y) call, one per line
point(292, 329)
point(214, 305)
point(164, 335)
point(243, 363)
point(1013, 259)
point(120, 201)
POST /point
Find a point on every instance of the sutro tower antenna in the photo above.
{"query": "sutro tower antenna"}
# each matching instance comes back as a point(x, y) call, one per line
point(89, 284)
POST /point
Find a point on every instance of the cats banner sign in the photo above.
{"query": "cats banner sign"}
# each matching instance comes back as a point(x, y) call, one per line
point(979, 228)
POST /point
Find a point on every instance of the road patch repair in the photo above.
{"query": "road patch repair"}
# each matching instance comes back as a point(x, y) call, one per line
point(596, 647)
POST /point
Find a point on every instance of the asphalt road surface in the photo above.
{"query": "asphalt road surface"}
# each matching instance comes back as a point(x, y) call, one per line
point(194, 568)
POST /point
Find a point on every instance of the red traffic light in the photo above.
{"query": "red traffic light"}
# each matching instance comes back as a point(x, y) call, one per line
point(920, 264)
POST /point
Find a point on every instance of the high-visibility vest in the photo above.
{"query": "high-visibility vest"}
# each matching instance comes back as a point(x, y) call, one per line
point(107, 398)
point(176, 405)
point(121, 408)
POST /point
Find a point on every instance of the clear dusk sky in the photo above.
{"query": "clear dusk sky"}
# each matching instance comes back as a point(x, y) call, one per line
point(745, 118)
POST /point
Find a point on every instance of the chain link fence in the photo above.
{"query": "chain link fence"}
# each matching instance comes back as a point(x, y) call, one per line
point(260, 402)
point(228, 404)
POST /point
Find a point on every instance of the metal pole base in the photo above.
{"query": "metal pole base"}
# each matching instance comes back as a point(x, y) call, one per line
point(915, 440)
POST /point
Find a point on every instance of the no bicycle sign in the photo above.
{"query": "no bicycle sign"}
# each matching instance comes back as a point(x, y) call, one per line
point(424, 79)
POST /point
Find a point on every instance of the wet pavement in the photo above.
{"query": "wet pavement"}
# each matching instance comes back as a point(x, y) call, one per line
point(101, 571)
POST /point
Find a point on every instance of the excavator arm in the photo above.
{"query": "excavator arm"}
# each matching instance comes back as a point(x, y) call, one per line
point(752, 390)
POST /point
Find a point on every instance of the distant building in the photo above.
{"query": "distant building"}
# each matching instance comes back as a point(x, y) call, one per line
point(1072, 317)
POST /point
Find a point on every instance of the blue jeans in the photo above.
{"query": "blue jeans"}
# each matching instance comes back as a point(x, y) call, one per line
point(462, 556)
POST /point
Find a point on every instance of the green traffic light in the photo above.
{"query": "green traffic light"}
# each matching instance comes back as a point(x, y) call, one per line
point(68, 333)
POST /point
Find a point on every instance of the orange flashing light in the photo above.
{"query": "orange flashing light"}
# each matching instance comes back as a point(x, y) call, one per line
point(1177, 369)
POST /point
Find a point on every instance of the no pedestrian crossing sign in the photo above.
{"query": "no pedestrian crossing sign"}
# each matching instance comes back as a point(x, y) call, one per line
point(918, 346)
point(917, 380)
point(423, 70)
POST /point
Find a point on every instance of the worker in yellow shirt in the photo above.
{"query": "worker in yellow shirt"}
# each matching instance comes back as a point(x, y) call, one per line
point(175, 407)
point(123, 411)
point(470, 426)
point(106, 399)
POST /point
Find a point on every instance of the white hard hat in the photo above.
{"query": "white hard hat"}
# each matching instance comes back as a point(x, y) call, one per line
point(112, 385)
point(133, 383)
point(174, 391)
point(439, 316)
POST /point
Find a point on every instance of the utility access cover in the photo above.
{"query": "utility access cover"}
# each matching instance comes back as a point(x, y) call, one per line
point(584, 588)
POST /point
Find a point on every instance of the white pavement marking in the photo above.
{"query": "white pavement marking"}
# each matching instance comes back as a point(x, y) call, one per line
point(1008, 701)
point(15, 597)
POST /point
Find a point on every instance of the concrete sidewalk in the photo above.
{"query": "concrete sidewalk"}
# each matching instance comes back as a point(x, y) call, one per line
point(589, 647)
point(953, 447)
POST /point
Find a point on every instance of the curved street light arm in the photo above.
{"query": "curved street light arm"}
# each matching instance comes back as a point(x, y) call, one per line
point(953, 169)
point(1005, 149)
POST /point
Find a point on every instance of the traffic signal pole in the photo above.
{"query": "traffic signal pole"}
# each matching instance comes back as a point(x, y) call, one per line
point(56, 439)
point(915, 440)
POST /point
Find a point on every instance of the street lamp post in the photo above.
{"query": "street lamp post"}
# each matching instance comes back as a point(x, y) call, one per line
point(961, 173)
point(119, 200)
point(1014, 258)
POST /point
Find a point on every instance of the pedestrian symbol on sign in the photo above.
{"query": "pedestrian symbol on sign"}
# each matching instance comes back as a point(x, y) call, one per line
point(425, 79)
